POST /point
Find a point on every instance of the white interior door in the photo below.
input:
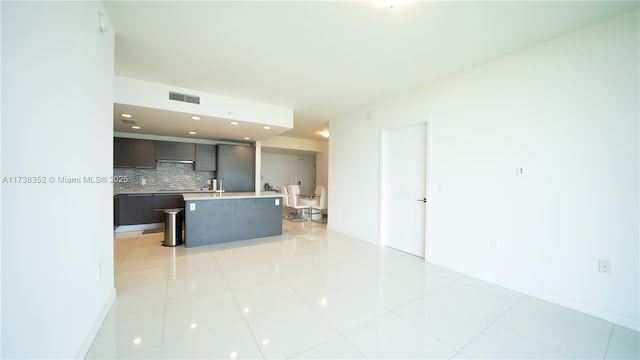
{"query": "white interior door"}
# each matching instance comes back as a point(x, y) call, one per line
point(306, 176)
point(403, 188)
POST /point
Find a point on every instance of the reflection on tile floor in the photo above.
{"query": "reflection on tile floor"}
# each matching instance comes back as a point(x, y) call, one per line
point(316, 294)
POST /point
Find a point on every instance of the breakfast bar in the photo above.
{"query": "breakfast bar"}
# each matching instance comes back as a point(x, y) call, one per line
point(213, 218)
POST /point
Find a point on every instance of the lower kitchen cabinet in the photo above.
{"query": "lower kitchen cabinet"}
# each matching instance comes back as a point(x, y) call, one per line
point(138, 209)
point(166, 201)
point(116, 210)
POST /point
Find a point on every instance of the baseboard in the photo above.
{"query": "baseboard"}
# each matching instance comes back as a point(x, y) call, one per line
point(600, 313)
point(141, 227)
point(93, 332)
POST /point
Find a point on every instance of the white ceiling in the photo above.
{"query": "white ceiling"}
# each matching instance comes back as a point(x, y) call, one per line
point(174, 123)
point(324, 59)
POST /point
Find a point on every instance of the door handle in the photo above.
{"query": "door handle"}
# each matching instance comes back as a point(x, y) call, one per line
point(424, 200)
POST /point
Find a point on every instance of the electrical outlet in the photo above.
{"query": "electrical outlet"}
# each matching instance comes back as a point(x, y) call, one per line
point(604, 266)
point(192, 206)
point(493, 244)
point(144, 181)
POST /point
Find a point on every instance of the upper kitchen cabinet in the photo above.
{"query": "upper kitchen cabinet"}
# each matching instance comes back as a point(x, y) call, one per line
point(134, 153)
point(169, 150)
point(205, 157)
point(236, 167)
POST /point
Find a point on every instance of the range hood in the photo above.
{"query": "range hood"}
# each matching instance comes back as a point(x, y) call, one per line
point(176, 161)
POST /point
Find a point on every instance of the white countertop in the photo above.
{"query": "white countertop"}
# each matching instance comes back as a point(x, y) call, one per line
point(134, 192)
point(231, 195)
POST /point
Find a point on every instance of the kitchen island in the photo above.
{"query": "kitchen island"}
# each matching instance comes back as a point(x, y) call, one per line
point(213, 218)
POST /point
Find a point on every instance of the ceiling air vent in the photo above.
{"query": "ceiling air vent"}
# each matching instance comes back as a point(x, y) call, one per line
point(184, 97)
point(128, 122)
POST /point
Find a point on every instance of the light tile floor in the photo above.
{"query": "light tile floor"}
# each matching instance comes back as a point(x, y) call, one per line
point(316, 294)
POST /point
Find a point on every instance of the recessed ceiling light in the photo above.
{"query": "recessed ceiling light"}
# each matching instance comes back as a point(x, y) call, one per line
point(128, 116)
point(390, 3)
point(234, 123)
point(325, 133)
point(192, 132)
point(195, 117)
point(267, 127)
point(247, 138)
point(136, 127)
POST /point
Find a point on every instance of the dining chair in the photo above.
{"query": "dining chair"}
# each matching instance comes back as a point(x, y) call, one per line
point(305, 200)
point(317, 210)
point(285, 201)
point(294, 203)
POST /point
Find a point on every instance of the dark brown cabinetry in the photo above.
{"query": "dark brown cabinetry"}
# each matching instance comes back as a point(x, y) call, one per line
point(134, 153)
point(205, 157)
point(166, 201)
point(116, 210)
point(168, 150)
point(137, 209)
point(236, 167)
point(144, 208)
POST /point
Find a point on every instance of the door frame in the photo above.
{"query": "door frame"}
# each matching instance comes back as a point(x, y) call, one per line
point(383, 186)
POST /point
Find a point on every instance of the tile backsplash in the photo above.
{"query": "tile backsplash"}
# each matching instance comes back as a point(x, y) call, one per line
point(166, 176)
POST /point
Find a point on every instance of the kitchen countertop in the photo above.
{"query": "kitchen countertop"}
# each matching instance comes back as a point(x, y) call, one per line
point(230, 195)
point(163, 192)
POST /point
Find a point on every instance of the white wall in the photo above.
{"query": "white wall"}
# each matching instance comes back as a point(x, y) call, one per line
point(568, 112)
point(322, 165)
point(57, 74)
point(281, 169)
point(321, 148)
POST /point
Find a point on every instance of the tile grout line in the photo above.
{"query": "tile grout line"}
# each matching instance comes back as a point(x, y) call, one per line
point(195, 299)
point(116, 270)
point(340, 334)
point(606, 351)
point(131, 352)
point(141, 244)
point(164, 313)
point(244, 318)
point(533, 341)
point(354, 346)
point(488, 326)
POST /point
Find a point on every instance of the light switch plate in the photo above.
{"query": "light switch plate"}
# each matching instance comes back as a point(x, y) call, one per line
point(277, 202)
point(604, 266)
